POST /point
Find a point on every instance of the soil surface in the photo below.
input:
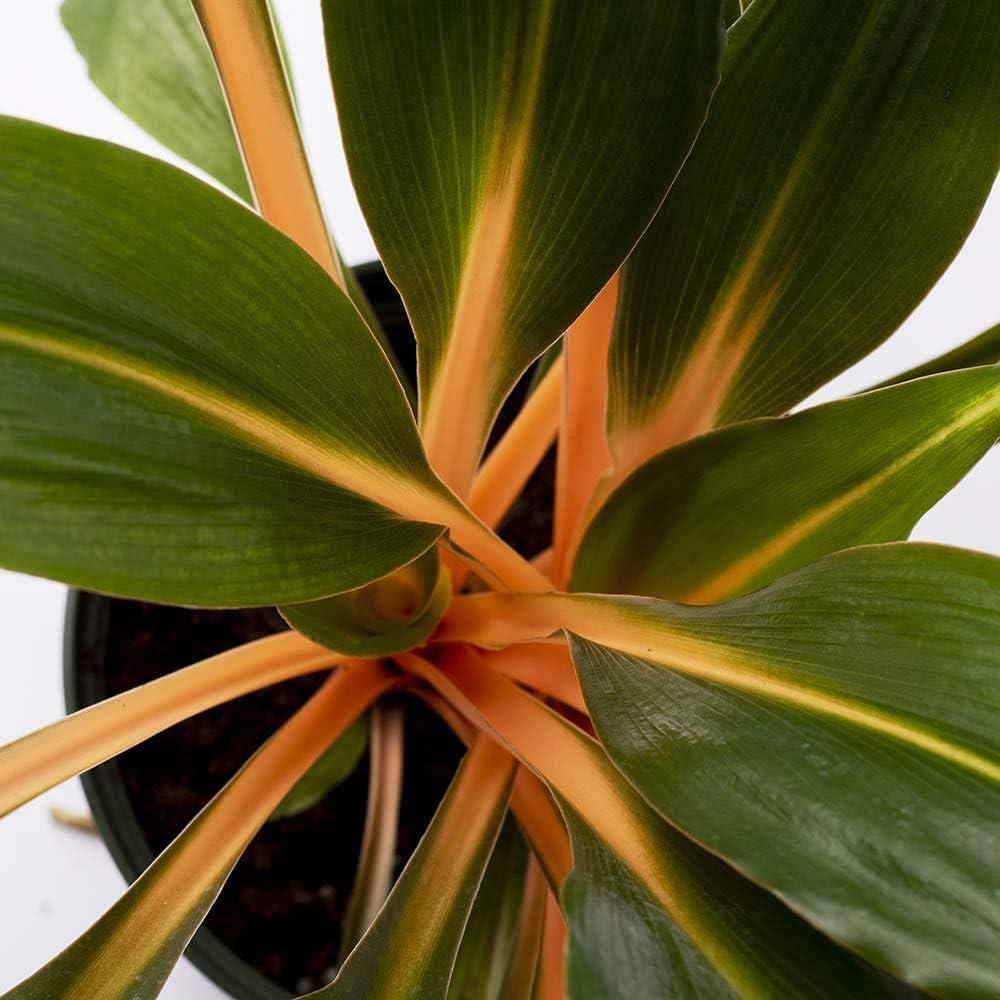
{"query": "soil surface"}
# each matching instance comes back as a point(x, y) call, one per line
point(282, 907)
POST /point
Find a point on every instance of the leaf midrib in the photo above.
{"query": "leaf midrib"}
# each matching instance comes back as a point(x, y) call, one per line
point(729, 580)
point(624, 631)
point(401, 494)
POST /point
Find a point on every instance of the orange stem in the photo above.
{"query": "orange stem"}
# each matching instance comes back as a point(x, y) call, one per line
point(551, 981)
point(573, 764)
point(515, 457)
point(531, 802)
point(584, 455)
point(543, 827)
point(545, 667)
point(170, 897)
point(247, 55)
point(44, 758)
point(378, 844)
point(522, 969)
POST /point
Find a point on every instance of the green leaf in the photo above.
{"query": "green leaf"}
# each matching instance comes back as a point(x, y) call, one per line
point(388, 616)
point(846, 157)
point(336, 764)
point(489, 935)
point(737, 941)
point(834, 736)
point(190, 410)
point(650, 913)
point(728, 512)
point(507, 157)
point(981, 350)
point(151, 60)
point(410, 949)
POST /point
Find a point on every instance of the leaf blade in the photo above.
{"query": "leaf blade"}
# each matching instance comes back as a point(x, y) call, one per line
point(482, 257)
point(332, 767)
point(981, 350)
point(773, 495)
point(713, 933)
point(186, 433)
point(426, 913)
point(129, 952)
point(152, 61)
point(387, 616)
point(845, 716)
point(774, 262)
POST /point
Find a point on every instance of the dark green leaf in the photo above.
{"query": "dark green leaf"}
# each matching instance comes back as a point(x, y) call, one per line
point(190, 410)
point(489, 934)
point(981, 350)
point(507, 157)
point(338, 762)
point(623, 944)
point(650, 913)
point(846, 157)
point(410, 949)
point(730, 511)
point(390, 615)
point(835, 737)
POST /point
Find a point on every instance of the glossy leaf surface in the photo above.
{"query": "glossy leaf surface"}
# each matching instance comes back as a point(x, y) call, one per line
point(650, 913)
point(847, 154)
point(410, 949)
point(507, 157)
point(834, 736)
point(191, 411)
point(730, 511)
point(151, 60)
point(387, 616)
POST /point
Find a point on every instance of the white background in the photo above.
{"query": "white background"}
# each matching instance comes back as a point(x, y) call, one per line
point(54, 881)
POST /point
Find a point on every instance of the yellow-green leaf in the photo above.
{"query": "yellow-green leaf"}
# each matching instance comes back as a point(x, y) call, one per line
point(151, 60)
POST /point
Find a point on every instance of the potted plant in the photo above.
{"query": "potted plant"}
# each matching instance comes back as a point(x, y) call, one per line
point(729, 734)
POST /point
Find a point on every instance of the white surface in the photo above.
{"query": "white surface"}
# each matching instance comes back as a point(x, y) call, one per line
point(56, 881)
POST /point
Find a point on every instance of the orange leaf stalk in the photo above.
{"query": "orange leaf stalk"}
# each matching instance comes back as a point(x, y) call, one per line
point(246, 51)
point(584, 455)
point(44, 758)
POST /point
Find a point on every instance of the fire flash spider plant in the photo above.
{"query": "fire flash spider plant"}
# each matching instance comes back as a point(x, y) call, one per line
point(749, 735)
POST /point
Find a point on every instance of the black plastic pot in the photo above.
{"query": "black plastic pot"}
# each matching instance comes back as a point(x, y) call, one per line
point(142, 798)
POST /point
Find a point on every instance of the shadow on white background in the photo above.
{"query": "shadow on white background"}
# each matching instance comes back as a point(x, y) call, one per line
point(56, 881)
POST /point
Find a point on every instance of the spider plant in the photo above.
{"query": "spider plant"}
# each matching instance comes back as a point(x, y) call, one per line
point(748, 732)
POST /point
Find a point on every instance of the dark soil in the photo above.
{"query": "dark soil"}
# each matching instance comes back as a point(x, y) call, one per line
point(282, 907)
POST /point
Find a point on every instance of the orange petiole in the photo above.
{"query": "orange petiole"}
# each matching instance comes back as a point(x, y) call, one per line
point(44, 758)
